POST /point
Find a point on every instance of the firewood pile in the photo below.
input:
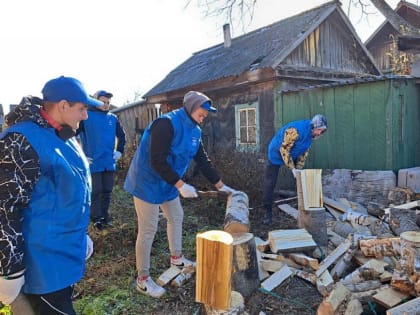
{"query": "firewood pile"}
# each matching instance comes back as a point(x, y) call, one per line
point(353, 254)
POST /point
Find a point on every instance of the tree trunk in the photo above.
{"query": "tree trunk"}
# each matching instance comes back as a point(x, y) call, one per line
point(410, 253)
point(245, 266)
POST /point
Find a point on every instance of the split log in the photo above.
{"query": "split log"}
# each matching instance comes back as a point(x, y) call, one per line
point(410, 307)
point(304, 260)
point(408, 205)
point(245, 265)
point(389, 297)
point(354, 307)
point(410, 252)
point(364, 286)
point(366, 296)
point(214, 269)
point(185, 275)
point(380, 247)
point(358, 218)
point(376, 209)
point(286, 208)
point(262, 274)
point(290, 240)
point(330, 304)
point(402, 282)
point(332, 258)
point(271, 265)
point(237, 213)
point(401, 220)
point(168, 275)
point(369, 271)
point(276, 278)
point(308, 276)
point(236, 306)
point(325, 283)
point(343, 264)
point(282, 259)
point(335, 238)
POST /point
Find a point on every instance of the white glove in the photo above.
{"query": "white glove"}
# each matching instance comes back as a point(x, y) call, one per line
point(227, 189)
point(89, 247)
point(10, 288)
point(294, 171)
point(187, 191)
point(116, 155)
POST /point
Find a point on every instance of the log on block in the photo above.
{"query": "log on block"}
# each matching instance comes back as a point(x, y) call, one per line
point(410, 307)
point(214, 269)
point(237, 213)
point(401, 220)
point(236, 306)
point(330, 304)
point(380, 247)
point(314, 221)
point(309, 187)
point(290, 240)
point(245, 264)
point(410, 252)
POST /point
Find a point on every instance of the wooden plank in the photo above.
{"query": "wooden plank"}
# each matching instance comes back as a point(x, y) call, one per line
point(331, 258)
point(336, 205)
point(277, 278)
point(286, 208)
point(390, 297)
point(410, 307)
point(290, 240)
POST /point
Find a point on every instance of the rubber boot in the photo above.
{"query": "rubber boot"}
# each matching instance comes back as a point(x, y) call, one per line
point(268, 216)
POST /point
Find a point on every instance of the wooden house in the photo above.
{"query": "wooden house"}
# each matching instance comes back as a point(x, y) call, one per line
point(245, 75)
point(384, 45)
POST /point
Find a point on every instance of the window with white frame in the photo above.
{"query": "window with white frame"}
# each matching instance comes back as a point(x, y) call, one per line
point(247, 126)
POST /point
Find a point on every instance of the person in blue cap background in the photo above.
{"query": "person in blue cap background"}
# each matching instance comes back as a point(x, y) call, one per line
point(154, 178)
point(103, 140)
point(45, 191)
point(289, 147)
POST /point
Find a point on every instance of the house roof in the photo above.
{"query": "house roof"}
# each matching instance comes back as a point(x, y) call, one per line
point(403, 9)
point(266, 47)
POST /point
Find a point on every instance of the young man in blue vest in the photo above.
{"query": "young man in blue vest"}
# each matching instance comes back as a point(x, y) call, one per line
point(103, 141)
point(45, 191)
point(290, 147)
point(154, 178)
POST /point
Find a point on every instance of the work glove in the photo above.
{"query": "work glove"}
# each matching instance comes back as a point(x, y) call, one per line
point(116, 155)
point(89, 247)
point(187, 191)
point(294, 171)
point(227, 189)
point(10, 286)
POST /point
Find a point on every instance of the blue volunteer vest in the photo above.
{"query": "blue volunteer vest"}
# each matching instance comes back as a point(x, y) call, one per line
point(55, 222)
point(98, 140)
point(302, 144)
point(145, 183)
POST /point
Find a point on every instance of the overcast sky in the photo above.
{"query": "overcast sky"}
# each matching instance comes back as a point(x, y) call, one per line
point(124, 46)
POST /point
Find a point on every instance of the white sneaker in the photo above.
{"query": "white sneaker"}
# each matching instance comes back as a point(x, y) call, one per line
point(149, 287)
point(182, 262)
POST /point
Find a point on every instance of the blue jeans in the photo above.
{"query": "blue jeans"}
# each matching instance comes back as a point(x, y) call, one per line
point(270, 180)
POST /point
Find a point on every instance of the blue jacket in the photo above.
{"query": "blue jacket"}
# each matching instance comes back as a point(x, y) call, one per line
point(143, 181)
point(98, 136)
point(56, 219)
point(302, 144)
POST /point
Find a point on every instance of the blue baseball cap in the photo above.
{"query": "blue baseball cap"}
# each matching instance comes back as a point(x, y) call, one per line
point(207, 106)
point(69, 89)
point(100, 93)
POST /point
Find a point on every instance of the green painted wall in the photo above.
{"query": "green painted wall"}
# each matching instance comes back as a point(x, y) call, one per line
point(372, 125)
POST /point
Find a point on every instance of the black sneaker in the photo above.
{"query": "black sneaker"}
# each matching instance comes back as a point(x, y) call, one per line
point(268, 218)
point(106, 223)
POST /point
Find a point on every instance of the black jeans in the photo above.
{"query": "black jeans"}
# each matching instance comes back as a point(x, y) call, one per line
point(54, 303)
point(270, 180)
point(102, 184)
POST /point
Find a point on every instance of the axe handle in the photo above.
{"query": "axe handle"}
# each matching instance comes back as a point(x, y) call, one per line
point(212, 193)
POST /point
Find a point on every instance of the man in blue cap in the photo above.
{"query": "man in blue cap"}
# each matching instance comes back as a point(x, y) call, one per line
point(103, 141)
point(44, 209)
point(289, 147)
point(154, 178)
